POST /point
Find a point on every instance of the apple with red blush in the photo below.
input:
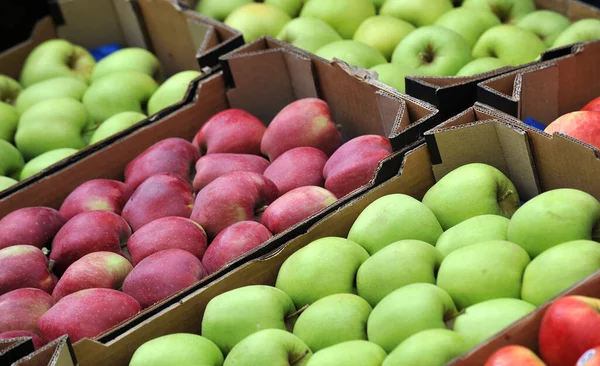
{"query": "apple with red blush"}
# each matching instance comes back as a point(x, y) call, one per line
point(24, 266)
point(514, 355)
point(31, 226)
point(96, 194)
point(593, 105)
point(298, 167)
point(20, 309)
point(581, 125)
point(213, 166)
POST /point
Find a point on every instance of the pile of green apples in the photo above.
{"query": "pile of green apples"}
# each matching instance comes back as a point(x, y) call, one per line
point(413, 283)
point(397, 38)
point(65, 101)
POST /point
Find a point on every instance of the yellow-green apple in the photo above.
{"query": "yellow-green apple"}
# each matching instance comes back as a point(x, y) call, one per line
point(508, 11)
point(177, 349)
point(472, 231)
point(547, 24)
point(332, 320)
point(353, 165)
point(291, 7)
point(96, 194)
point(213, 166)
point(480, 66)
point(30, 226)
point(55, 58)
point(429, 347)
point(12, 160)
point(408, 311)
point(87, 314)
point(471, 190)
point(393, 74)
point(37, 341)
point(232, 243)
point(371, 30)
point(481, 321)
point(172, 155)
point(582, 125)
point(470, 23)
point(269, 346)
point(580, 31)
point(351, 353)
point(307, 275)
point(593, 105)
point(232, 198)
point(373, 233)
point(395, 266)
point(61, 87)
point(115, 124)
point(228, 319)
point(298, 167)
point(417, 12)
point(553, 218)
point(509, 43)
point(128, 59)
point(159, 196)
point(9, 89)
point(44, 160)
point(589, 358)
point(345, 16)
point(171, 91)
point(231, 131)
point(309, 34)
point(6, 182)
point(9, 119)
point(20, 309)
point(483, 271)
point(514, 355)
point(88, 232)
point(352, 52)
point(24, 266)
point(256, 20)
point(219, 9)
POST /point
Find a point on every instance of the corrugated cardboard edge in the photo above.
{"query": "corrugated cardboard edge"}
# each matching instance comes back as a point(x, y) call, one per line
point(56, 353)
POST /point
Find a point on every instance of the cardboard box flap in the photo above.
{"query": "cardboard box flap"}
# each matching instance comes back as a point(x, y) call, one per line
point(132, 25)
point(14, 348)
point(56, 353)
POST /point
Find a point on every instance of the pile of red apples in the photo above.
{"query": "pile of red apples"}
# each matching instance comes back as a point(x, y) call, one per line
point(184, 211)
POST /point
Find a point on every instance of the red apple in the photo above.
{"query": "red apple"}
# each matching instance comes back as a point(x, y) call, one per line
point(32, 226)
point(172, 155)
point(232, 198)
point(167, 233)
point(298, 167)
point(35, 339)
point(94, 270)
point(305, 122)
point(87, 314)
point(295, 206)
point(589, 358)
point(97, 194)
point(353, 165)
point(20, 309)
point(231, 131)
point(213, 166)
point(88, 232)
point(514, 355)
point(233, 242)
point(581, 125)
point(24, 266)
point(593, 105)
point(161, 275)
point(159, 196)
point(570, 326)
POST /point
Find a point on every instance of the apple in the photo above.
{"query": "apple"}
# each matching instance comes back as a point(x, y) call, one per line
point(213, 166)
point(394, 75)
point(593, 105)
point(87, 314)
point(472, 231)
point(9, 89)
point(94, 270)
point(429, 347)
point(177, 349)
point(60, 87)
point(481, 65)
point(291, 7)
point(420, 13)
point(24, 266)
point(580, 31)
point(298, 167)
point(219, 9)
point(171, 91)
point(44, 161)
point(309, 34)
point(20, 309)
point(35, 339)
point(470, 23)
point(514, 355)
point(352, 52)
point(581, 125)
point(508, 11)
point(31, 226)
point(12, 160)
point(547, 24)
point(256, 20)
point(351, 353)
point(6, 182)
point(370, 33)
point(589, 358)
point(115, 124)
point(128, 59)
point(9, 119)
point(96, 194)
point(269, 346)
point(509, 43)
point(307, 275)
point(345, 16)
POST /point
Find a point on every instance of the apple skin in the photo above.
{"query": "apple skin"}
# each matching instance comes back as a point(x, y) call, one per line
point(213, 166)
point(298, 167)
point(231, 131)
point(96, 194)
point(20, 309)
point(88, 232)
point(50, 89)
point(31, 226)
point(87, 314)
point(370, 33)
point(481, 65)
point(115, 124)
point(514, 355)
point(161, 275)
point(219, 9)
point(581, 125)
point(177, 349)
point(231, 198)
point(353, 165)
point(269, 346)
point(9, 119)
point(128, 59)
point(172, 155)
point(296, 206)
point(12, 160)
point(352, 52)
point(305, 122)
point(508, 11)
point(234, 242)
point(24, 266)
point(593, 105)
point(589, 358)
point(159, 196)
point(394, 75)
point(35, 339)
point(470, 23)
point(167, 233)
point(345, 16)
point(171, 91)
point(580, 31)
point(94, 270)
point(256, 20)
point(309, 34)
point(509, 43)
point(291, 7)
point(9, 89)
point(472, 231)
point(44, 161)
point(429, 347)
point(547, 24)
point(6, 182)
point(351, 353)
point(417, 12)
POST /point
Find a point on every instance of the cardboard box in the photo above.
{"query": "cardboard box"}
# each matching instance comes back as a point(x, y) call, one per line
point(14, 349)
point(56, 353)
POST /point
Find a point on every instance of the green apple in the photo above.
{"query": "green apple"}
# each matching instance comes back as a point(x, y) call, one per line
point(343, 15)
point(472, 231)
point(333, 319)
point(553, 218)
point(45, 160)
point(11, 160)
point(9, 119)
point(352, 52)
point(234, 315)
point(378, 3)
point(547, 24)
point(55, 58)
point(114, 124)
point(118, 92)
point(59, 87)
point(9, 89)
point(219, 9)
point(177, 349)
point(171, 91)
point(398, 264)
point(377, 226)
point(470, 23)
point(471, 190)
point(559, 268)
point(407, 311)
point(351, 353)
point(394, 75)
point(417, 12)
point(580, 31)
point(6, 182)
point(307, 275)
point(269, 347)
point(383, 33)
point(434, 51)
point(431, 347)
point(508, 11)
point(291, 7)
point(128, 59)
point(480, 66)
point(256, 20)
point(481, 321)
point(309, 34)
point(511, 44)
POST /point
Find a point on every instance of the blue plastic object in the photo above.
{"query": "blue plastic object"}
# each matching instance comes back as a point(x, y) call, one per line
point(101, 52)
point(535, 124)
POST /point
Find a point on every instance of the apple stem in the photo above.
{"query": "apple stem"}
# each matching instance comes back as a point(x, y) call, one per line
point(260, 210)
point(300, 357)
point(338, 126)
point(455, 315)
point(297, 312)
point(507, 194)
point(51, 264)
